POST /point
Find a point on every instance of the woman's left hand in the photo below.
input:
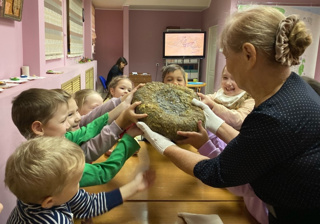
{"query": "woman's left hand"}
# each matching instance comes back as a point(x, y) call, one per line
point(196, 139)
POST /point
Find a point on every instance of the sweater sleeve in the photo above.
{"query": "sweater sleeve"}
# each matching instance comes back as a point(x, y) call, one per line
point(85, 133)
point(232, 117)
point(85, 205)
point(99, 111)
point(213, 147)
point(104, 141)
point(101, 173)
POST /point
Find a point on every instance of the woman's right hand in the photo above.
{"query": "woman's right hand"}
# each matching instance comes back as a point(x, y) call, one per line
point(213, 122)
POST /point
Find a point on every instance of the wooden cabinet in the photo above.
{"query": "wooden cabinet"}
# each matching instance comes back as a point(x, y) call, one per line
point(140, 78)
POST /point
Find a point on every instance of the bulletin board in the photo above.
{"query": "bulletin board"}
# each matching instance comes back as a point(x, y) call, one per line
point(311, 16)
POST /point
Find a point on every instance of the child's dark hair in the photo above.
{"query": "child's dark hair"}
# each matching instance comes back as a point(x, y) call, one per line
point(171, 68)
point(313, 83)
point(113, 84)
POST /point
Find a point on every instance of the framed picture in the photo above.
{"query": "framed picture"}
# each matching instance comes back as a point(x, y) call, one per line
point(11, 9)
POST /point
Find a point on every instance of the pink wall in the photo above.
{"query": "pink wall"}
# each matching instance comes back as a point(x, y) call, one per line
point(11, 56)
point(22, 43)
point(146, 30)
point(109, 43)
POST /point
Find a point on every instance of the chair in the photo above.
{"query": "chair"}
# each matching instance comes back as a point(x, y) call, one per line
point(103, 82)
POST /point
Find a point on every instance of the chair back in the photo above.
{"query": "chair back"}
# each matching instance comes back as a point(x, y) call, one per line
point(103, 82)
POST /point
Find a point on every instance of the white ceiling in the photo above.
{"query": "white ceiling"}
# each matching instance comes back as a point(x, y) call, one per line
point(183, 5)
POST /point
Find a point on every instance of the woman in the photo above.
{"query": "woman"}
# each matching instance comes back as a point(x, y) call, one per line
point(117, 69)
point(277, 149)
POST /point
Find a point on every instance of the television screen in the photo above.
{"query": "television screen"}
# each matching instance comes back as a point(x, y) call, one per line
point(184, 44)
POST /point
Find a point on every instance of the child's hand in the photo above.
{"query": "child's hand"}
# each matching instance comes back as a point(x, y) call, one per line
point(206, 99)
point(142, 181)
point(196, 139)
point(145, 179)
point(134, 131)
point(128, 116)
point(128, 97)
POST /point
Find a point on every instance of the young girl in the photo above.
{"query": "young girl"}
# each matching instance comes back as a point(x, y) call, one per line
point(118, 87)
point(233, 105)
point(174, 74)
point(87, 100)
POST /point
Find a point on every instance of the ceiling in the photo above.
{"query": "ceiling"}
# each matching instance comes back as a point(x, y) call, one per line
point(172, 5)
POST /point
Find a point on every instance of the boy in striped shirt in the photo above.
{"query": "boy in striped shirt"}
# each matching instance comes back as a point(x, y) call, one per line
point(45, 178)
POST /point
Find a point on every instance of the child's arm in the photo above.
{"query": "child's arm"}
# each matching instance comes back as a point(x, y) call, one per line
point(101, 173)
point(85, 205)
point(88, 132)
point(99, 111)
point(109, 135)
point(142, 181)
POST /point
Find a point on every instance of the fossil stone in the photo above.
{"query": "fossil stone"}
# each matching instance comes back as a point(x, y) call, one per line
point(169, 108)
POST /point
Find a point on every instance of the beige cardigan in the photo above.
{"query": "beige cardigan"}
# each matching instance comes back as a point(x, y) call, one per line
point(235, 115)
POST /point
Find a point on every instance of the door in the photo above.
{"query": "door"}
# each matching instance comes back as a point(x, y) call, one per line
point(211, 59)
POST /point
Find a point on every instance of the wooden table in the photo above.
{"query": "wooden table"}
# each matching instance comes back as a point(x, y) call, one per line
point(196, 87)
point(173, 191)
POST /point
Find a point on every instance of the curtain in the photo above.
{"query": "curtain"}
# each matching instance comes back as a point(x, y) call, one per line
point(75, 28)
point(53, 29)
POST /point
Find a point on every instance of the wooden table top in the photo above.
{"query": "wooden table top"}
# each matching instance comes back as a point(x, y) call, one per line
point(173, 191)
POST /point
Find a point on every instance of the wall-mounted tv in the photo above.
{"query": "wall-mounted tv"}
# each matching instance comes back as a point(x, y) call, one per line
point(184, 44)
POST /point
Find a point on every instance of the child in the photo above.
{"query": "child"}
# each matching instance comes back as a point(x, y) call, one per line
point(174, 74)
point(87, 100)
point(118, 87)
point(44, 174)
point(233, 105)
point(103, 141)
point(42, 112)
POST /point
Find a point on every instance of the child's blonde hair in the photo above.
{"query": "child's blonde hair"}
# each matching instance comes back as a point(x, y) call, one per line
point(42, 167)
point(81, 96)
point(114, 82)
point(172, 68)
point(34, 105)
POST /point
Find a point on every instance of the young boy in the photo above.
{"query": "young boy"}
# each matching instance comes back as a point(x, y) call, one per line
point(43, 112)
point(44, 174)
point(109, 135)
point(174, 74)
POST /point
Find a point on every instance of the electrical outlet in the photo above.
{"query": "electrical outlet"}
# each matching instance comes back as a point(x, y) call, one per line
point(157, 64)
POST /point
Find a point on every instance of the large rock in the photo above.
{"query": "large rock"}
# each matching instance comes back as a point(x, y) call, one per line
point(169, 108)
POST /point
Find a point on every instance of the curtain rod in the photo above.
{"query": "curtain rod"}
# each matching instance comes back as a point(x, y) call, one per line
point(278, 3)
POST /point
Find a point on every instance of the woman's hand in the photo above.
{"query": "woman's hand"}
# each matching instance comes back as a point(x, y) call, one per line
point(213, 122)
point(159, 142)
point(196, 139)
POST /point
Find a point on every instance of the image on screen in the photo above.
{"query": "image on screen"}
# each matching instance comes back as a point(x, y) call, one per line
point(184, 44)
